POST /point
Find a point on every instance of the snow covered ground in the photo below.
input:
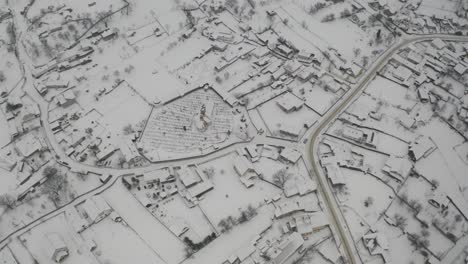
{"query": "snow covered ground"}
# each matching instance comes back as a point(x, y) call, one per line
point(184, 132)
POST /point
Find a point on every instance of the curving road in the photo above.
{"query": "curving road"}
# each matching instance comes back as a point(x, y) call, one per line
point(339, 222)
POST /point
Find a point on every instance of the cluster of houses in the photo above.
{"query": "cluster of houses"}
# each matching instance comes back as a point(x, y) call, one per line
point(77, 56)
point(438, 71)
point(21, 114)
point(154, 187)
point(377, 244)
point(437, 208)
point(55, 245)
point(275, 63)
point(275, 252)
point(214, 29)
point(340, 156)
point(266, 251)
point(244, 166)
point(29, 151)
point(79, 53)
point(306, 224)
point(88, 213)
point(281, 251)
point(405, 15)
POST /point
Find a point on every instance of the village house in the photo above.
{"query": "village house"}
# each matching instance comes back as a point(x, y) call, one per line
point(460, 69)
point(284, 50)
point(105, 152)
point(398, 168)
point(334, 174)
point(359, 136)
point(422, 146)
point(188, 177)
point(291, 130)
point(305, 56)
point(161, 176)
point(252, 152)
point(66, 98)
point(241, 254)
point(289, 102)
point(377, 244)
point(289, 207)
point(56, 247)
point(200, 188)
point(423, 93)
point(292, 67)
point(290, 155)
point(108, 34)
point(285, 249)
point(242, 166)
point(96, 209)
point(30, 144)
point(129, 150)
point(402, 73)
point(406, 121)
point(414, 57)
point(277, 84)
point(307, 224)
point(299, 185)
point(178, 228)
point(438, 44)
point(307, 73)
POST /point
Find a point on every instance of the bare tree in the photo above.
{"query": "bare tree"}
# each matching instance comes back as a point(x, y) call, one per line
point(419, 242)
point(55, 186)
point(209, 172)
point(49, 171)
point(234, 4)
point(7, 200)
point(315, 8)
point(128, 129)
point(356, 52)
point(365, 61)
point(281, 177)
point(400, 221)
point(121, 161)
point(435, 183)
point(415, 205)
point(89, 131)
point(345, 13)
point(224, 225)
point(251, 211)
point(328, 18)
point(369, 201)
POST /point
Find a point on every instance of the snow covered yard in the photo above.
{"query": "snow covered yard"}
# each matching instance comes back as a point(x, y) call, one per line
point(229, 195)
point(118, 243)
point(365, 195)
point(175, 212)
point(4, 131)
point(169, 248)
point(40, 244)
point(293, 125)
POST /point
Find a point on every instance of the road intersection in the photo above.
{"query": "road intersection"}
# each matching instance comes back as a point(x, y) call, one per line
point(338, 221)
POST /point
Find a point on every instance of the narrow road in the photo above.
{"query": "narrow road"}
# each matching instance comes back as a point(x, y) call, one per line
point(339, 222)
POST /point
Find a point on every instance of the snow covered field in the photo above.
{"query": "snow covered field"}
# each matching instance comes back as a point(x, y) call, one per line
point(233, 131)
